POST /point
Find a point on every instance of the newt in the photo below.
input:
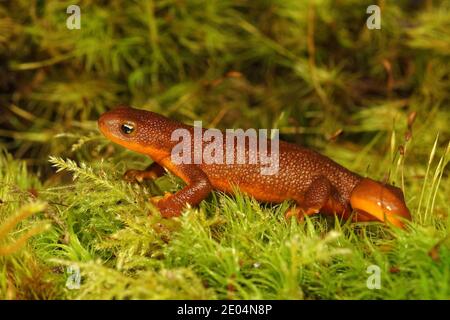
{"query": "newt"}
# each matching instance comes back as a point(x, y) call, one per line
point(314, 182)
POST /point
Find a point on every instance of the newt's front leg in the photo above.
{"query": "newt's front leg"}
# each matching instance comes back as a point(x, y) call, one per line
point(153, 171)
point(198, 187)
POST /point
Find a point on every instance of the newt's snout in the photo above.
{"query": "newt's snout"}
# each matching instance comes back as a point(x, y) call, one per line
point(374, 201)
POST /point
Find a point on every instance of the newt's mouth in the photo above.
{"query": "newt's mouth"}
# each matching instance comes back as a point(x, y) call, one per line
point(374, 201)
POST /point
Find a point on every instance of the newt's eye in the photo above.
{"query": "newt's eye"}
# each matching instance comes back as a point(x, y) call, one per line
point(127, 128)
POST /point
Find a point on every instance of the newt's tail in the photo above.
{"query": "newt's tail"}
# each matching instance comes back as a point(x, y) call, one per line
point(374, 201)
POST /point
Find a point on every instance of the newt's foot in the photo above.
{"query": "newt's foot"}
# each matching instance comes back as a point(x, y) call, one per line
point(293, 212)
point(157, 199)
point(300, 213)
point(138, 175)
point(163, 205)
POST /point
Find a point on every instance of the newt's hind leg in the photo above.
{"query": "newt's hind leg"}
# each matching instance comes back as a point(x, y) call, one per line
point(315, 198)
point(153, 171)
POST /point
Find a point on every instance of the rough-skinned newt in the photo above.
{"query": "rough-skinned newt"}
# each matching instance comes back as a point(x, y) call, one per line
point(313, 181)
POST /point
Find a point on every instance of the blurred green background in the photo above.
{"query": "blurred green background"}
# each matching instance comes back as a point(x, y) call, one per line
point(376, 101)
point(309, 68)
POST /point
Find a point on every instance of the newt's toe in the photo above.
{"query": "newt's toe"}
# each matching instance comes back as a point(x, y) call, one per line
point(133, 176)
point(300, 213)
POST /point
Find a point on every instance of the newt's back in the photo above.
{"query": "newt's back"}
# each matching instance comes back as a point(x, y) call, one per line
point(297, 169)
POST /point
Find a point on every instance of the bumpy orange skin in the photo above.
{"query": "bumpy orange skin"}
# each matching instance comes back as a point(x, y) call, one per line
point(315, 182)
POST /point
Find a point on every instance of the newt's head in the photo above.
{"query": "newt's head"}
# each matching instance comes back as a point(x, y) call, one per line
point(374, 201)
point(138, 130)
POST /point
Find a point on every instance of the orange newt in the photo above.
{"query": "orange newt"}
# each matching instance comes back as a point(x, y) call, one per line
point(313, 181)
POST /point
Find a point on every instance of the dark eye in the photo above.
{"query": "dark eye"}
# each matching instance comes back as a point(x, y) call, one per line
point(127, 128)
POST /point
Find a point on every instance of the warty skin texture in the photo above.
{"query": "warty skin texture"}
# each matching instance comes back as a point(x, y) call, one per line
point(315, 182)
